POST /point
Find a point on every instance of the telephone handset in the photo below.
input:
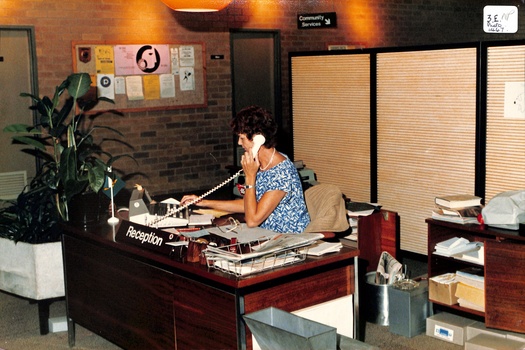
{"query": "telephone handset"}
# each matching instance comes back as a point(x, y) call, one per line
point(258, 141)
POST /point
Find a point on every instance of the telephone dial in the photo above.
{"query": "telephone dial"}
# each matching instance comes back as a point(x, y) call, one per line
point(258, 141)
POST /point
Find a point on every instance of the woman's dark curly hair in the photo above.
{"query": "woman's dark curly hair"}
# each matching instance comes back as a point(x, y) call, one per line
point(255, 120)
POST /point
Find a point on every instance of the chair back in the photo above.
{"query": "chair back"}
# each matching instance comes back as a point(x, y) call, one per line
point(326, 207)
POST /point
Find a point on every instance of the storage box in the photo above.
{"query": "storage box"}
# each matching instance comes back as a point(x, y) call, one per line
point(442, 288)
point(516, 336)
point(408, 310)
point(448, 327)
point(276, 329)
point(491, 342)
point(479, 328)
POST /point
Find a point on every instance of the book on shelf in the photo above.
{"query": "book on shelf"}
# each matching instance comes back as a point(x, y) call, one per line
point(464, 212)
point(439, 214)
point(457, 201)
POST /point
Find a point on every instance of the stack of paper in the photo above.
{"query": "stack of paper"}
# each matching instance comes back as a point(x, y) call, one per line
point(456, 247)
point(200, 219)
point(322, 248)
point(476, 256)
point(471, 288)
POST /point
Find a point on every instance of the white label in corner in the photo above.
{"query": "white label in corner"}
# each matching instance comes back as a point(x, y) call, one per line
point(443, 333)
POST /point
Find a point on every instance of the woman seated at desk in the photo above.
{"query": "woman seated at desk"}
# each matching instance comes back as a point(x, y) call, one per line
point(273, 196)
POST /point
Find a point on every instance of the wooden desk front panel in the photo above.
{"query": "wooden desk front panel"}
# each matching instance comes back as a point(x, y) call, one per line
point(121, 299)
point(299, 292)
point(205, 316)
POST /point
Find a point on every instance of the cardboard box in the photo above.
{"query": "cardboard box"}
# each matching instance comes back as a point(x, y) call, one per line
point(491, 342)
point(448, 327)
point(442, 288)
point(516, 336)
point(479, 328)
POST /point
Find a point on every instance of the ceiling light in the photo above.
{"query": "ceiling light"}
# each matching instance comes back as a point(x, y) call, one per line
point(197, 5)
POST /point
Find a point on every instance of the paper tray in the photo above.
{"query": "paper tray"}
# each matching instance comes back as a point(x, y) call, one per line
point(275, 329)
point(255, 265)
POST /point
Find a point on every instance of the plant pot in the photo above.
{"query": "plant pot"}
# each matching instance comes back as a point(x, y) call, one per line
point(33, 271)
point(85, 209)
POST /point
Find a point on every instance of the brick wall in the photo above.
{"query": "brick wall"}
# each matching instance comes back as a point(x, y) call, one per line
point(188, 149)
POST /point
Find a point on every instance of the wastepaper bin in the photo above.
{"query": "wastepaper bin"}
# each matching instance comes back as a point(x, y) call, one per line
point(275, 329)
point(376, 300)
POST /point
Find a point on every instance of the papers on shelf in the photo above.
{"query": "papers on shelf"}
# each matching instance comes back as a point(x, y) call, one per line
point(470, 297)
point(446, 247)
point(461, 248)
point(472, 276)
point(475, 256)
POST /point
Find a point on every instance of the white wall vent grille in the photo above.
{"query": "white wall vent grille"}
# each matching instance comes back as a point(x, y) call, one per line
point(12, 184)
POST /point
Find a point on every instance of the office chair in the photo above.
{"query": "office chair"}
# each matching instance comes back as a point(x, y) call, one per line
point(326, 207)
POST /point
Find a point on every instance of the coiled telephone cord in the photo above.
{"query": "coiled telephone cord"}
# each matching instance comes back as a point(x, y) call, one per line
point(174, 211)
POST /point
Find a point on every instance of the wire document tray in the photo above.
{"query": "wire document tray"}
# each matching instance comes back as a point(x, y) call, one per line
point(242, 259)
point(254, 265)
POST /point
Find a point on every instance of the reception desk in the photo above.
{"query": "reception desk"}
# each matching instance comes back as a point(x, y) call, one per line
point(139, 299)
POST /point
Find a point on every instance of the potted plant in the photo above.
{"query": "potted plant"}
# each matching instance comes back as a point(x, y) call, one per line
point(70, 164)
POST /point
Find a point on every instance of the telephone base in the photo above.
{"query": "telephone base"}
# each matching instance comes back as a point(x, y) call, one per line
point(145, 219)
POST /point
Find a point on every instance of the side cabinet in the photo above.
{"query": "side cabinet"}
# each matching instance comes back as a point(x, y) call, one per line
point(377, 233)
point(504, 271)
point(505, 286)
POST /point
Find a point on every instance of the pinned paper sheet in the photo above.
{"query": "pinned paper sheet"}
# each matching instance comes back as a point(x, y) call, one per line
point(514, 107)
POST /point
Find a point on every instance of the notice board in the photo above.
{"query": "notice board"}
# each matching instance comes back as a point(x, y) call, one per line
point(143, 76)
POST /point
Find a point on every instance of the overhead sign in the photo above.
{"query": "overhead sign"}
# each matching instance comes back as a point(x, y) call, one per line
point(317, 20)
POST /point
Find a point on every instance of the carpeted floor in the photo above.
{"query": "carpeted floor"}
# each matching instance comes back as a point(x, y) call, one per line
point(19, 330)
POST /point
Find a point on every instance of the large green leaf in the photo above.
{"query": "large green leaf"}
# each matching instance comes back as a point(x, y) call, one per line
point(79, 84)
point(97, 175)
point(22, 128)
point(30, 141)
point(68, 172)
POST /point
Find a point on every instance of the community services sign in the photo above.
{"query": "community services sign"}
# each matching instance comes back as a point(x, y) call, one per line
point(317, 20)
